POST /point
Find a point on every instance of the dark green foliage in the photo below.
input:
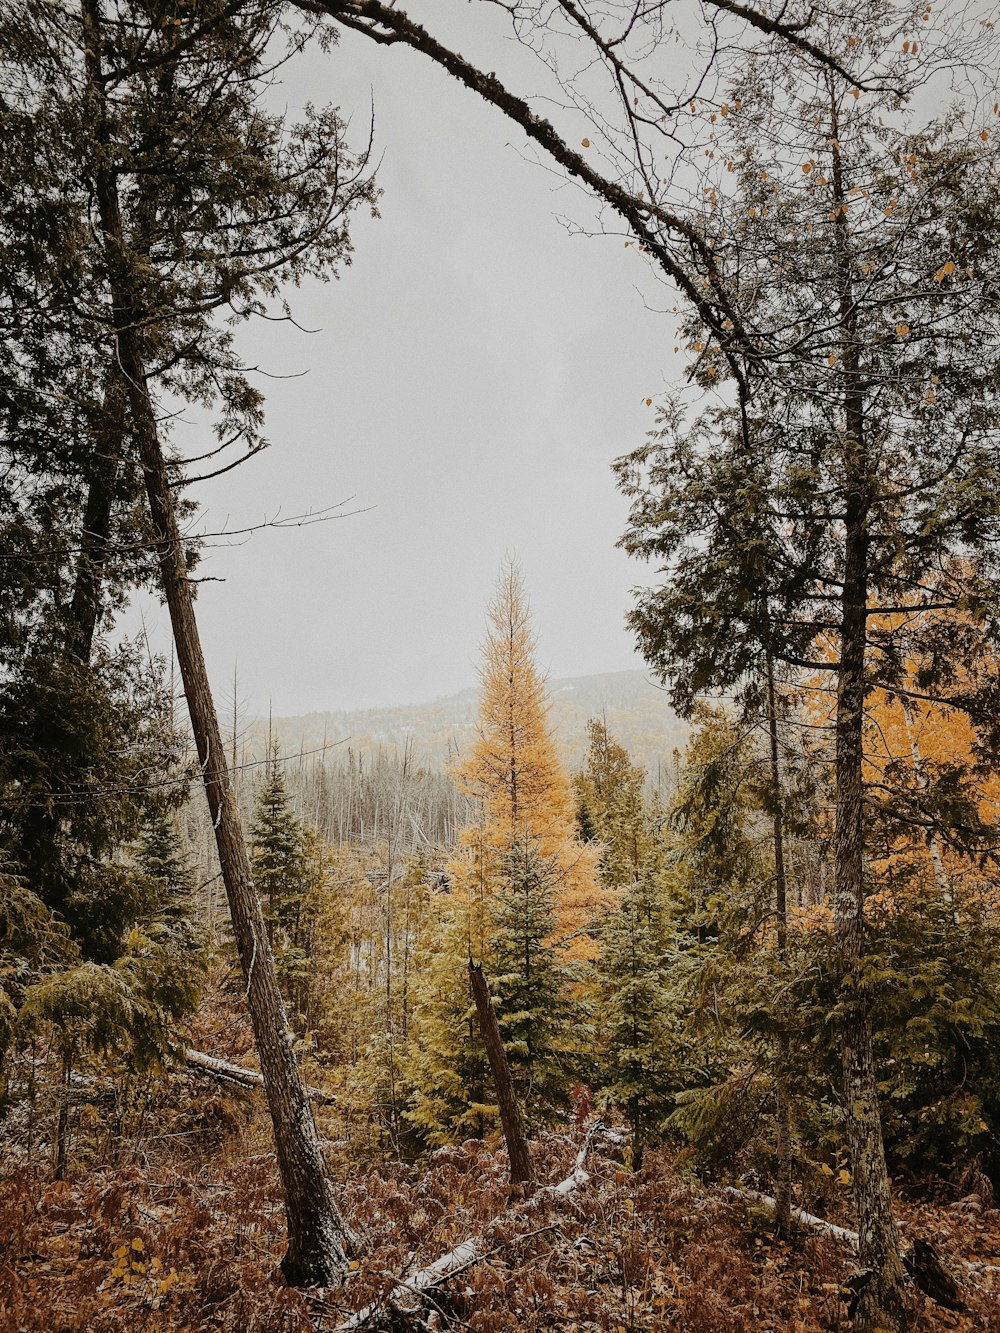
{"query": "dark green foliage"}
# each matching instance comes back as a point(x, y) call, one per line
point(530, 984)
point(611, 807)
point(637, 998)
point(288, 871)
point(932, 974)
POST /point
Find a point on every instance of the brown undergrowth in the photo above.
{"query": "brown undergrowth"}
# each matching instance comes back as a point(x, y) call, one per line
point(195, 1246)
point(171, 1220)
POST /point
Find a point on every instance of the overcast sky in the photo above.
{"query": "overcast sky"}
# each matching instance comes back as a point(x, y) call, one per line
point(477, 369)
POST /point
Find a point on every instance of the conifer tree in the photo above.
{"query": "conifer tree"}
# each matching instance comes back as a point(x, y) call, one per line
point(639, 1008)
point(514, 771)
point(530, 983)
point(846, 508)
point(184, 198)
point(611, 806)
point(524, 892)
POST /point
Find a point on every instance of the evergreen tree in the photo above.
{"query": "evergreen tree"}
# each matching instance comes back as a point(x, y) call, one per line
point(289, 869)
point(846, 509)
point(162, 857)
point(640, 1014)
point(531, 985)
point(611, 806)
point(181, 197)
point(446, 1067)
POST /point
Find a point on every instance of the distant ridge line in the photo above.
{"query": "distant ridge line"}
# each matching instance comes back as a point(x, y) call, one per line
point(638, 715)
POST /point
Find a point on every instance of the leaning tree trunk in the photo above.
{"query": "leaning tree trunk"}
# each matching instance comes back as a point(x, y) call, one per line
point(880, 1303)
point(316, 1232)
point(522, 1172)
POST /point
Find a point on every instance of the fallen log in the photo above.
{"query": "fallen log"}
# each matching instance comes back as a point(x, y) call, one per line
point(799, 1215)
point(923, 1263)
point(408, 1294)
point(227, 1072)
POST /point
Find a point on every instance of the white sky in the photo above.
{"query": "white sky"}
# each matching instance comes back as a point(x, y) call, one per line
point(477, 370)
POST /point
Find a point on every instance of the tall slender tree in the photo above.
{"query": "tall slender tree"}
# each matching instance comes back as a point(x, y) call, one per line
point(849, 503)
point(185, 198)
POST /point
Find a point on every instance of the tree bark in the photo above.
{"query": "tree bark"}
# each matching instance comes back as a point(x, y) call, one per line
point(108, 436)
point(316, 1232)
point(880, 1304)
point(522, 1172)
point(783, 1117)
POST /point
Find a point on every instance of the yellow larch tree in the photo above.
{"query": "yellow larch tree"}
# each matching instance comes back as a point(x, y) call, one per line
point(514, 771)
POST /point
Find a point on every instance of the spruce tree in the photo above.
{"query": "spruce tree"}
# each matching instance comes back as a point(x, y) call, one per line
point(640, 1011)
point(611, 805)
point(530, 983)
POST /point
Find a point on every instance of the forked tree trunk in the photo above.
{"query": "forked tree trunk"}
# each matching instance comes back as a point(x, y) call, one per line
point(316, 1232)
point(522, 1172)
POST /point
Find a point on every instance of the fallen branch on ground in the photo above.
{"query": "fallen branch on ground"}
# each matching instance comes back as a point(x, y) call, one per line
point(226, 1072)
point(924, 1264)
point(800, 1215)
point(408, 1294)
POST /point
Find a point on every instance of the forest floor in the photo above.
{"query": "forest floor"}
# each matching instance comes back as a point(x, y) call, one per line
point(170, 1219)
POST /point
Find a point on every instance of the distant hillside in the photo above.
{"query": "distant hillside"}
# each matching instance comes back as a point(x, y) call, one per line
point(637, 714)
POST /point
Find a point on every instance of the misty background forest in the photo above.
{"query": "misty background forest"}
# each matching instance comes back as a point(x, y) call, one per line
point(653, 981)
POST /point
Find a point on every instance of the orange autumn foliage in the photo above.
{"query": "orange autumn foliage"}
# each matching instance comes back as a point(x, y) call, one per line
point(909, 740)
point(513, 770)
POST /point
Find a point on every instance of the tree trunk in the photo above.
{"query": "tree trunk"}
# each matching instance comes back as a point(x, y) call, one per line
point(106, 451)
point(521, 1170)
point(880, 1304)
point(316, 1232)
point(783, 1183)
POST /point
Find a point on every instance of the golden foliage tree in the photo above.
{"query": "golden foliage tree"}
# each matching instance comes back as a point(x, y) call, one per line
point(515, 772)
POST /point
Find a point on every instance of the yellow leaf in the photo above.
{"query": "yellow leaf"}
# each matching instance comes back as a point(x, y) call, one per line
point(827, 1171)
point(902, 330)
point(831, 360)
point(806, 168)
point(985, 135)
point(585, 143)
point(855, 93)
point(649, 402)
point(844, 1176)
point(137, 1243)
